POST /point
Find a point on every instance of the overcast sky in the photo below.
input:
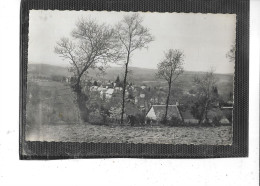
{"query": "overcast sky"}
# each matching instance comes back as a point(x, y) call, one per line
point(204, 38)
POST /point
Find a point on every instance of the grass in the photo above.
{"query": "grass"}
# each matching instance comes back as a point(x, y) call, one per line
point(50, 102)
point(125, 134)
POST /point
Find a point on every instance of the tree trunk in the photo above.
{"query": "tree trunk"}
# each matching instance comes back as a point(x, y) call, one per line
point(167, 101)
point(81, 101)
point(124, 87)
point(206, 111)
point(204, 114)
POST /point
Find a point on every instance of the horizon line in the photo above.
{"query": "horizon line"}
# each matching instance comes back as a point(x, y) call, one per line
point(64, 66)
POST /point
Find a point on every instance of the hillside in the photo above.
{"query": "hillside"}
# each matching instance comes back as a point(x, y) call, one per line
point(49, 102)
point(111, 73)
point(137, 76)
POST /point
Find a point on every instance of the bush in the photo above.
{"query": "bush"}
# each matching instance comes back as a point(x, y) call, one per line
point(115, 114)
point(95, 117)
point(140, 119)
point(161, 118)
point(104, 114)
point(174, 121)
point(149, 121)
point(228, 114)
point(216, 121)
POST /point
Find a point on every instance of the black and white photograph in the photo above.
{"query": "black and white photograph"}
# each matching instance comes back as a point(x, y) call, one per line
point(130, 77)
point(129, 92)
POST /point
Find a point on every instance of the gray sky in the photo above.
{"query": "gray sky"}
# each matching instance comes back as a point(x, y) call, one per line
point(204, 38)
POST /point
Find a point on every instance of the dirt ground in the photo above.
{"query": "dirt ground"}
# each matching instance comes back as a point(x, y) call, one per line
point(125, 134)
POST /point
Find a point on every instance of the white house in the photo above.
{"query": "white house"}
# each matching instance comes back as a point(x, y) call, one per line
point(103, 94)
point(142, 95)
point(157, 111)
point(136, 100)
point(118, 89)
point(109, 93)
point(101, 89)
point(93, 88)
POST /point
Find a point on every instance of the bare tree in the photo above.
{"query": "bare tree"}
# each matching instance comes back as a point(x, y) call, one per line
point(231, 55)
point(132, 35)
point(92, 45)
point(170, 69)
point(206, 95)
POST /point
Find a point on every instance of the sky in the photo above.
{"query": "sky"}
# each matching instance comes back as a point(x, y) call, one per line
point(204, 39)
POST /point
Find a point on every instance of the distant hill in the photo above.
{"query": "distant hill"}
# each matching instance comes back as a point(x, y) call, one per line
point(136, 73)
point(137, 76)
point(47, 70)
point(111, 73)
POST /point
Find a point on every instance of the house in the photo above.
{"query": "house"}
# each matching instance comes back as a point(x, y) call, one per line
point(101, 88)
point(142, 95)
point(213, 114)
point(67, 79)
point(188, 117)
point(93, 88)
point(126, 93)
point(109, 93)
point(118, 89)
point(157, 111)
point(108, 85)
point(217, 113)
point(103, 94)
point(136, 100)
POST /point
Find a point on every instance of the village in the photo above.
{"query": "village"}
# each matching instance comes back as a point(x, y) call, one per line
point(146, 105)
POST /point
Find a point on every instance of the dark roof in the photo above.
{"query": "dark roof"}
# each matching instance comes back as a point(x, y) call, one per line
point(172, 111)
point(131, 109)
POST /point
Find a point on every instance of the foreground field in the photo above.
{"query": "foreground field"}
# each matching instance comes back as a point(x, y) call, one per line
point(53, 103)
point(126, 134)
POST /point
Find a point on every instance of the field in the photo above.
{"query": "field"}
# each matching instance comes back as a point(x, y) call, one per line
point(126, 134)
point(50, 102)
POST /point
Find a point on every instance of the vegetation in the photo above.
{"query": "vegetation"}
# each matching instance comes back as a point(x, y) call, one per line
point(231, 55)
point(50, 102)
point(207, 94)
point(93, 44)
point(170, 69)
point(132, 35)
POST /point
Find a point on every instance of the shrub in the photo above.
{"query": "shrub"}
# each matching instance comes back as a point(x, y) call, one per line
point(95, 117)
point(149, 121)
point(161, 118)
point(140, 118)
point(216, 121)
point(174, 121)
point(115, 114)
point(104, 114)
point(228, 114)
